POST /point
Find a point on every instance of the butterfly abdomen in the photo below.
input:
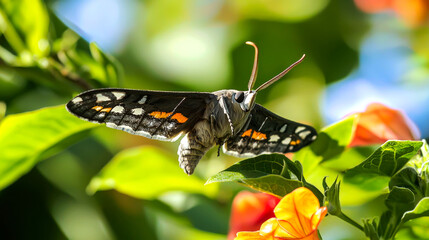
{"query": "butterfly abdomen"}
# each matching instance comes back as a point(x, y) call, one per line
point(194, 146)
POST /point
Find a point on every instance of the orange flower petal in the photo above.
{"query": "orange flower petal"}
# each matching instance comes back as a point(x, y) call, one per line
point(268, 227)
point(301, 201)
point(413, 12)
point(380, 123)
point(249, 236)
point(318, 217)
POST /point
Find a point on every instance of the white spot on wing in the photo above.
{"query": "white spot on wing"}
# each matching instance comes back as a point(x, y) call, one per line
point(111, 125)
point(237, 154)
point(299, 129)
point(283, 129)
point(102, 98)
point(313, 138)
point(137, 111)
point(77, 100)
point(286, 141)
point(118, 109)
point(141, 133)
point(143, 100)
point(274, 138)
point(290, 147)
point(119, 95)
point(304, 134)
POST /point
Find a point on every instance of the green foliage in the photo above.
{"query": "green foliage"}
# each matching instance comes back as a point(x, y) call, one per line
point(274, 174)
point(373, 173)
point(330, 146)
point(147, 173)
point(46, 52)
point(28, 138)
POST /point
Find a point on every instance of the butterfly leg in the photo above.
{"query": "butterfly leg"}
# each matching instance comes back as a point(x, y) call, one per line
point(194, 145)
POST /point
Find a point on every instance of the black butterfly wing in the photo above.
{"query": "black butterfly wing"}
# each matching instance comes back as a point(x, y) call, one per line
point(153, 114)
point(269, 133)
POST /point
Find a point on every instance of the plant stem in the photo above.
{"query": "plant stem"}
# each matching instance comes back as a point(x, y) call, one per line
point(349, 220)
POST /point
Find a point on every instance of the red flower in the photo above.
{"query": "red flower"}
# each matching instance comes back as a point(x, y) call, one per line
point(380, 123)
point(297, 216)
point(249, 211)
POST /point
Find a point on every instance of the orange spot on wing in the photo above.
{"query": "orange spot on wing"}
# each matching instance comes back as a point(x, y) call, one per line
point(106, 110)
point(160, 114)
point(247, 133)
point(295, 142)
point(97, 108)
point(255, 135)
point(259, 136)
point(179, 117)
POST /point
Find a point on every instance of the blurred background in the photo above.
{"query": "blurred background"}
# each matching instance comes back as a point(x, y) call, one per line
point(358, 52)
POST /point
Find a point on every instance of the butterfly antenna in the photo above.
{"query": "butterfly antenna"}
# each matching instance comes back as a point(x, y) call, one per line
point(255, 66)
point(280, 75)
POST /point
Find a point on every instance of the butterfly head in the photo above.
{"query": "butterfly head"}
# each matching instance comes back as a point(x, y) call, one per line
point(245, 99)
point(248, 97)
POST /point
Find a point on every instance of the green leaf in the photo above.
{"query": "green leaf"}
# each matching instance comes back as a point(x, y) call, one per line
point(330, 144)
point(421, 210)
point(274, 174)
point(146, 172)
point(274, 184)
point(27, 138)
point(400, 199)
point(389, 158)
point(373, 173)
point(398, 202)
point(30, 18)
point(407, 178)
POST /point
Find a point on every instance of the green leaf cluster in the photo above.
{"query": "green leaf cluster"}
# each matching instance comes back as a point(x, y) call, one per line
point(47, 52)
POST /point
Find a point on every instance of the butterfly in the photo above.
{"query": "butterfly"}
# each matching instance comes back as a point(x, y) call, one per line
point(228, 118)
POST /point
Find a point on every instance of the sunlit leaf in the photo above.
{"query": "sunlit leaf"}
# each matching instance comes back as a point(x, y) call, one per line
point(274, 174)
point(386, 160)
point(146, 172)
point(421, 210)
point(27, 138)
point(329, 146)
point(31, 19)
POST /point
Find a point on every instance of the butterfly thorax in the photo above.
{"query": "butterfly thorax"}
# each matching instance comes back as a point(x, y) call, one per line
point(222, 120)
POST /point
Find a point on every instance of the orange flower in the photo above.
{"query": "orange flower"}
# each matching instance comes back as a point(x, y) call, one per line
point(373, 6)
point(298, 215)
point(413, 12)
point(249, 211)
point(380, 123)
